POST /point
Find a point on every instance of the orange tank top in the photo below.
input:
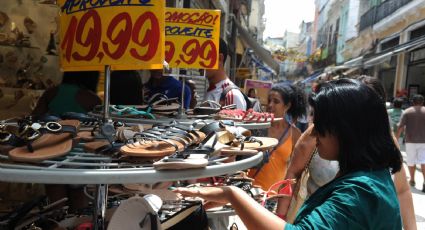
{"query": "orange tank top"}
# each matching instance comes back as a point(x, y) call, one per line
point(275, 169)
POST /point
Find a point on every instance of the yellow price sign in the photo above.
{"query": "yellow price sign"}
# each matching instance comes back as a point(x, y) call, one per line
point(123, 34)
point(192, 38)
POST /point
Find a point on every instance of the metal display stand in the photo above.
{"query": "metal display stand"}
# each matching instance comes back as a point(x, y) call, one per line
point(79, 167)
point(130, 121)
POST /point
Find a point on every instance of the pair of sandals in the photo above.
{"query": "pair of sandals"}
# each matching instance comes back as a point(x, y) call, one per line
point(248, 116)
point(158, 104)
point(183, 147)
point(34, 140)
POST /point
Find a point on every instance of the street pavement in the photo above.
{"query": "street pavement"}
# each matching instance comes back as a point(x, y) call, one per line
point(418, 196)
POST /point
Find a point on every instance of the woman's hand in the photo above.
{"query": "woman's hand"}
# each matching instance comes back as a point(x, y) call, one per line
point(210, 194)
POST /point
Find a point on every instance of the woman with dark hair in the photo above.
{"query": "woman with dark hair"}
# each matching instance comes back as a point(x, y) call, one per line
point(351, 126)
point(283, 100)
point(252, 93)
point(322, 171)
point(76, 93)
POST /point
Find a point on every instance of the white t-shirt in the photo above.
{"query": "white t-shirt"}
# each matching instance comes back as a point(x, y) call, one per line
point(234, 96)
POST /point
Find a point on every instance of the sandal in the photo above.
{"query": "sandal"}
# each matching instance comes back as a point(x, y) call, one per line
point(8, 139)
point(212, 108)
point(249, 116)
point(284, 190)
point(162, 104)
point(150, 145)
point(45, 140)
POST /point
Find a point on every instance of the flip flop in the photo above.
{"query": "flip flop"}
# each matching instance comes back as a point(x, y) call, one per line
point(258, 143)
point(48, 145)
point(152, 148)
point(134, 213)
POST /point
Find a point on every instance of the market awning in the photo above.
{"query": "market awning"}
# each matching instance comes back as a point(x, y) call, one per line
point(355, 62)
point(261, 65)
point(312, 77)
point(262, 53)
point(386, 56)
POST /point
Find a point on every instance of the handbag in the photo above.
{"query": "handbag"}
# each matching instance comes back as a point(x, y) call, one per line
point(301, 192)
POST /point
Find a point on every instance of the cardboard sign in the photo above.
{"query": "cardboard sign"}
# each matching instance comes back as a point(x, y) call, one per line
point(123, 34)
point(192, 38)
point(262, 89)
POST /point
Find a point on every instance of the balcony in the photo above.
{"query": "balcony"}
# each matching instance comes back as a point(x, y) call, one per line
point(377, 13)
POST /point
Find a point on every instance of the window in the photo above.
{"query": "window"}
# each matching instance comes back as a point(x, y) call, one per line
point(390, 44)
point(419, 32)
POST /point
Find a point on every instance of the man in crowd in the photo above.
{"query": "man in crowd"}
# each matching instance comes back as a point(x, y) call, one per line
point(413, 123)
point(218, 81)
point(168, 86)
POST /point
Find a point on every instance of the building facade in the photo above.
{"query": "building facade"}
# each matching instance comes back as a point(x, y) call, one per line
point(383, 38)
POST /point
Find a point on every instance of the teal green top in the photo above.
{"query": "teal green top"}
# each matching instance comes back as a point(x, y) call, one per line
point(359, 200)
point(395, 114)
point(65, 100)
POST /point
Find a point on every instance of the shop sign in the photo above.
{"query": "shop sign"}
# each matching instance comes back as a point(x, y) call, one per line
point(262, 89)
point(249, 83)
point(192, 38)
point(123, 34)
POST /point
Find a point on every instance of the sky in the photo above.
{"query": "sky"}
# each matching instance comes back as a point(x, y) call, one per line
point(284, 15)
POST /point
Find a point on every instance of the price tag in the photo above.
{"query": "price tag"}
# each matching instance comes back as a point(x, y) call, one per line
point(192, 38)
point(124, 34)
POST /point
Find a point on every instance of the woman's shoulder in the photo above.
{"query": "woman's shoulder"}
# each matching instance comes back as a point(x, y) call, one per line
point(373, 182)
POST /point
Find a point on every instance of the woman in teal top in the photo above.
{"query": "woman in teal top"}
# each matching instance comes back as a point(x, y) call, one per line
point(351, 126)
point(76, 93)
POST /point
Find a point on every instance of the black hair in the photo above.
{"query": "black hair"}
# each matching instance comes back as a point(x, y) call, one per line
point(251, 90)
point(375, 83)
point(418, 99)
point(294, 95)
point(398, 102)
point(356, 115)
point(84, 79)
point(126, 88)
point(223, 49)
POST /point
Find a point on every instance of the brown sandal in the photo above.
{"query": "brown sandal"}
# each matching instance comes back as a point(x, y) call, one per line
point(46, 142)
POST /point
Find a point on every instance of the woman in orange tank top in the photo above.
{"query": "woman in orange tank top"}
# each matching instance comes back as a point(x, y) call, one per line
point(283, 99)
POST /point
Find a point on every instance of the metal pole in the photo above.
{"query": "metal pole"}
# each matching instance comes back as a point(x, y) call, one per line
point(101, 196)
point(106, 96)
point(101, 200)
point(181, 113)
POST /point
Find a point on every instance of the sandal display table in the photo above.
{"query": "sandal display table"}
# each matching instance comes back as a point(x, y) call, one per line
point(79, 167)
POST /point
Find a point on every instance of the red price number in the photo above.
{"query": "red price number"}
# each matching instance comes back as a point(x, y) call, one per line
point(119, 33)
point(192, 51)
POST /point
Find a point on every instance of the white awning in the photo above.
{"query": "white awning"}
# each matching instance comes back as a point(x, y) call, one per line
point(386, 56)
point(262, 53)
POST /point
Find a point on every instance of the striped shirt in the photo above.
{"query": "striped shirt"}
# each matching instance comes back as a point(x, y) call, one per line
point(234, 96)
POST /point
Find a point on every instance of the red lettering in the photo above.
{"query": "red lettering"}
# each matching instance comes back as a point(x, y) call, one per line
point(68, 39)
point(93, 36)
point(150, 38)
point(191, 50)
point(210, 55)
point(169, 51)
point(122, 39)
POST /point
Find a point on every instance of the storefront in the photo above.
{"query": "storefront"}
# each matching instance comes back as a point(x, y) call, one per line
point(387, 74)
point(415, 80)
